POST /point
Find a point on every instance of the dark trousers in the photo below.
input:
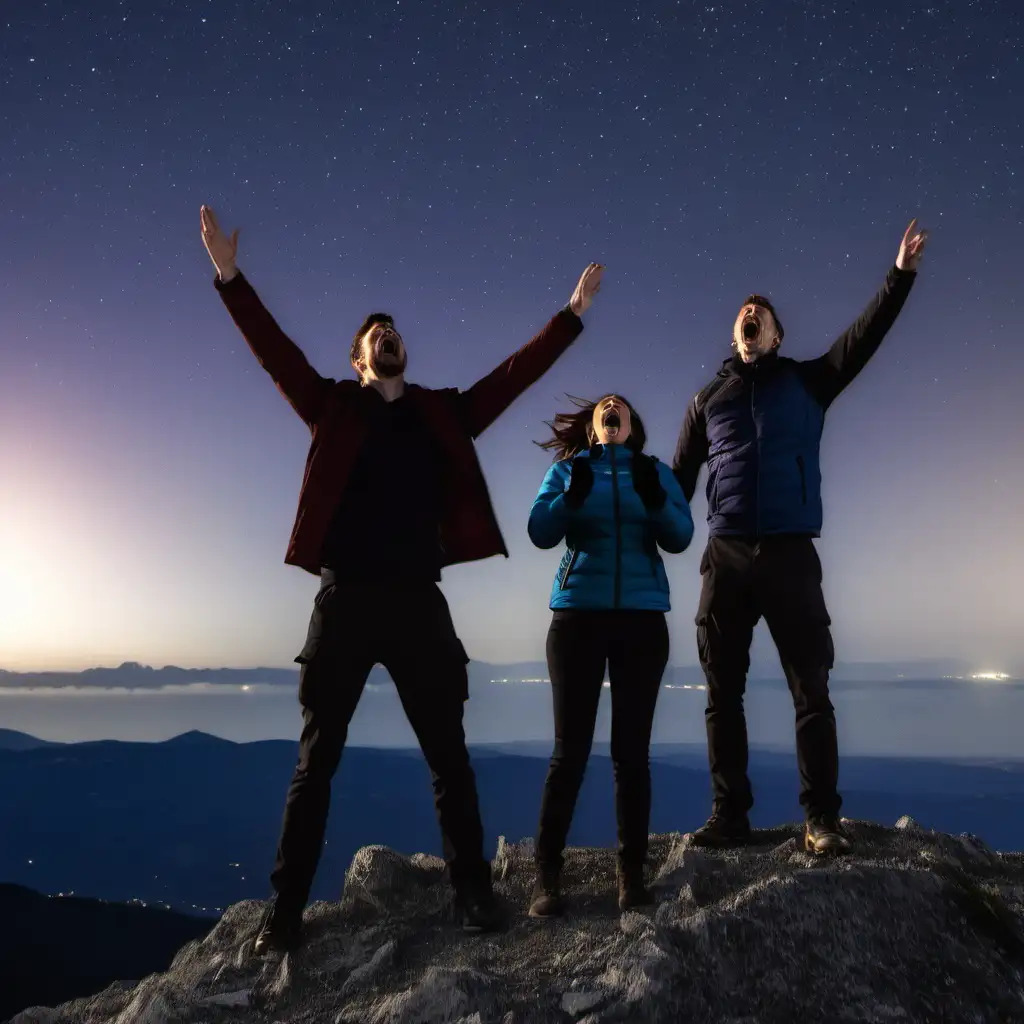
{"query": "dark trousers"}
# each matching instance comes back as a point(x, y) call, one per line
point(408, 629)
point(778, 578)
point(634, 645)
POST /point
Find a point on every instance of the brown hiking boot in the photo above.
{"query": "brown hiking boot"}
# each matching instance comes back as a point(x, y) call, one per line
point(546, 900)
point(632, 891)
point(722, 830)
point(824, 834)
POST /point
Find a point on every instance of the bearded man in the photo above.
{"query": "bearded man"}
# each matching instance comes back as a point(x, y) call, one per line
point(392, 493)
point(758, 426)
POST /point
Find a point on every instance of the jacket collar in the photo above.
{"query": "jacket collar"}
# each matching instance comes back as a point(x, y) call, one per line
point(735, 367)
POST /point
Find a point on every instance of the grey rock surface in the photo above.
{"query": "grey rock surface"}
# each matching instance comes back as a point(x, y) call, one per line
point(914, 926)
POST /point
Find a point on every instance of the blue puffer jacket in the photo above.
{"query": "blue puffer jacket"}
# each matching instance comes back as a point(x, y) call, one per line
point(611, 558)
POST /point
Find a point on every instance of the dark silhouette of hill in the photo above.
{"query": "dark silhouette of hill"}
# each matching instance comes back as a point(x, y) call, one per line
point(193, 822)
point(10, 739)
point(56, 948)
point(915, 926)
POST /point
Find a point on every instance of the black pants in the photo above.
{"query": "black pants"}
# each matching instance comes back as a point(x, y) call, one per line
point(408, 629)
point(778, 578)
point(634, 645)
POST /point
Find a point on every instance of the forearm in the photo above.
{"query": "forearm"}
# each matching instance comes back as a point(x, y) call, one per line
point(548, 522)
point(691, 451)
point(283, 360)
point(490, 396)
point(852, 350)
point(673, 521)
point(673, 528)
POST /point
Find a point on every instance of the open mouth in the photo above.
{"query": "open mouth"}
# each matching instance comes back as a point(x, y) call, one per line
point(388, 345)
point(612, 422)
point(751, 328)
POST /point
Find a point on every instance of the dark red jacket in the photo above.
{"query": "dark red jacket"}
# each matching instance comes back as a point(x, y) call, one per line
point(469, 529)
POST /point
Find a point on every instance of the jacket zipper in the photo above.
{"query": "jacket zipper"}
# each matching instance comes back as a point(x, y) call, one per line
point(757, 468)
point(803, 478)
point(618, 528)
point(568, 569)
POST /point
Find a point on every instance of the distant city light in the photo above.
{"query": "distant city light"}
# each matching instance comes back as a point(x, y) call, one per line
point(997, 676)
point(245, 688)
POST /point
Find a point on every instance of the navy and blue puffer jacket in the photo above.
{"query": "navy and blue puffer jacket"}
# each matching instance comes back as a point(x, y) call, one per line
point(758, 427)
point(611, 558)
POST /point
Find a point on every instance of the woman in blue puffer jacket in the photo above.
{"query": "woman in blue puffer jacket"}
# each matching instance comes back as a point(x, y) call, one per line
point(614, 507)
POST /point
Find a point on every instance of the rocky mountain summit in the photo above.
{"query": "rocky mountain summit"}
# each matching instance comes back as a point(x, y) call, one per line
point(914, 926)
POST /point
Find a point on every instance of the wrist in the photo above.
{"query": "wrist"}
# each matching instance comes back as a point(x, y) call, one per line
point(227, 273)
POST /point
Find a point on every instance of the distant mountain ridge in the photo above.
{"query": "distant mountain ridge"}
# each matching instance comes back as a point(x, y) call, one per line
point(134, 675)
point(11, 739)
point(192, 822)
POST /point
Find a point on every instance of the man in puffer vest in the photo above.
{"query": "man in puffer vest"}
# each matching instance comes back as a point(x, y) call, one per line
point(758, 427)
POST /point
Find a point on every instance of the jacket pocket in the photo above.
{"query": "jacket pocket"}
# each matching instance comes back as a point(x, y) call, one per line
point(803, 479)
point(568, 569)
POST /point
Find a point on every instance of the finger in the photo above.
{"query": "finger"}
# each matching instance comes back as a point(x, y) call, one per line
point(910, 229)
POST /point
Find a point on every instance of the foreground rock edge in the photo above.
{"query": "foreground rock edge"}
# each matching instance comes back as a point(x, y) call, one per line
point(912, 925)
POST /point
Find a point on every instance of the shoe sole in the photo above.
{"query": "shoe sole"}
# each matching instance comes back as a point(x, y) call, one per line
point(838, 850)
point(537, 916)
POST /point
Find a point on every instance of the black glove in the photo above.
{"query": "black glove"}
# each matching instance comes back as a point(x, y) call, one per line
point(581, 482)
point(646, 482)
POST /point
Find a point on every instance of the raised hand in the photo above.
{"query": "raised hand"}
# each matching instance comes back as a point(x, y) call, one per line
point(221, 248)
point(911, 247)
point(589, 285)
point(581, 482)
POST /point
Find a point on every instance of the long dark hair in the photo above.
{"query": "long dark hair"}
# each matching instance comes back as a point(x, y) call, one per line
point(571, 431)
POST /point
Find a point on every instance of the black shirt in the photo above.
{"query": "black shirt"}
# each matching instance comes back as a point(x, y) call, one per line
point(387, 525)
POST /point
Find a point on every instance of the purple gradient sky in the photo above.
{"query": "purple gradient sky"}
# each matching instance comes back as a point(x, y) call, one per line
point(459, 165)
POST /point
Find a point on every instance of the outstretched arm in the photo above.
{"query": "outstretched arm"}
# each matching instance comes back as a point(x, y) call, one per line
point(691, 449)
point(549, 515)
point(673, 521)
point(490, 396)
point(304, 388)
point(831, 373)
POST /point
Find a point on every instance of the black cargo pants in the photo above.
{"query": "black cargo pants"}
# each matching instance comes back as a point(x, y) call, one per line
point(407, 628)
point(778, 578)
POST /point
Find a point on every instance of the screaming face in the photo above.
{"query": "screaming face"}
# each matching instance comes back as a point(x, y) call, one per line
point(384, 353)
point(611, 421)
point(754, 333)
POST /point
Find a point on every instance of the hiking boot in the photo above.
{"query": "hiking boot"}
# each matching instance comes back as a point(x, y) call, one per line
point(546, 900)
point(280, 930)
point(824, 834)
point(632, 891)
point(722, 830)
point(481, 911)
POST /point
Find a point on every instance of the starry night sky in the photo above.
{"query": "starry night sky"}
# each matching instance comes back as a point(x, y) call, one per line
point(459, 164)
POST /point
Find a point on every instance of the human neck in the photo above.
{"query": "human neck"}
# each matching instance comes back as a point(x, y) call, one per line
point(389, 388)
